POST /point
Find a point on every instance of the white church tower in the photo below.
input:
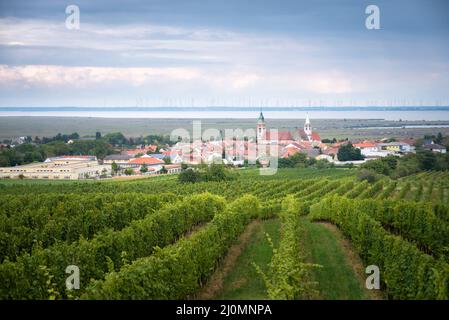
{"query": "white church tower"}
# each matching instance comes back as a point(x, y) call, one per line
point(308, 128)
point(261, 128)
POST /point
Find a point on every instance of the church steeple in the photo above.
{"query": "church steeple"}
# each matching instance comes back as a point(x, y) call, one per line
point(308, 127)
point(261, 129)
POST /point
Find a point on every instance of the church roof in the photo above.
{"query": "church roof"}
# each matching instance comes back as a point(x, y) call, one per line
point(261, 117)
point(282, 135)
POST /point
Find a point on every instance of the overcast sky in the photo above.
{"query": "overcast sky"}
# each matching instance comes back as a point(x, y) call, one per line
point(228, 52)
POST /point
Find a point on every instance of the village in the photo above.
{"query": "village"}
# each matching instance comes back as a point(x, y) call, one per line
point(145, 160)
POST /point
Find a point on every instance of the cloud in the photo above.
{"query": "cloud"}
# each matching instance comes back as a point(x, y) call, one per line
point(57, 76)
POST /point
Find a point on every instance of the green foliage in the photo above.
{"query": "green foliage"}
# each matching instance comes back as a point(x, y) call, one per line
point(288, 276)
point(143, 168)
point(406, 272)
point(213, 172)
point(348, 153)
point(297, 160)
point(23, 279)
point(129, 171)
point(47, 219)
point(177, 271)
point(383, 166)
point(189, 175)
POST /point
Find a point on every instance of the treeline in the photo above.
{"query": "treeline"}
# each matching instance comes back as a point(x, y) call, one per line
point(39, 149)
point(300, 160)
point(396, 167)
point(29, 152)
point(206, 173)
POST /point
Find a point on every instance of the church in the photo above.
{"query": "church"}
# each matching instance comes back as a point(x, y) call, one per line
point(285, 137)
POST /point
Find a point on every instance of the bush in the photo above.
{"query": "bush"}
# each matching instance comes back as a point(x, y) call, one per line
point(367, 175)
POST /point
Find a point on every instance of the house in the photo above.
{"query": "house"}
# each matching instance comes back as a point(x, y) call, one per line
point(158, 156)
point(146, 160)
point(68, 159)
point(119, 159)
point(396, 147)
point(58, 169)
point(324, 157)
point(173, 168)
point(435, 148)
point(173, 155)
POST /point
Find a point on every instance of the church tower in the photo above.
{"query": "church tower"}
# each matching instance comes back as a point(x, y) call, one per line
point(308, 128)
point(261, 129)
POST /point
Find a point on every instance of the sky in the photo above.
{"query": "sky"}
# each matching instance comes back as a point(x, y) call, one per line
point(228, 52)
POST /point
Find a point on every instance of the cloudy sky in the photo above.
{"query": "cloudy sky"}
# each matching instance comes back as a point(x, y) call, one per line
point(227, 52)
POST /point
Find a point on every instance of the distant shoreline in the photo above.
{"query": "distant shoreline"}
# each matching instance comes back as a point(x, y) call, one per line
point(223, 108)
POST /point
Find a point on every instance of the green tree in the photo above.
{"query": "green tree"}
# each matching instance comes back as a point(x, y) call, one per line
point(189, 176)
point(114, 167)
point(167, 160)
point(143, 168)
point(349, 153)
point(427, 160)
point(163, 170)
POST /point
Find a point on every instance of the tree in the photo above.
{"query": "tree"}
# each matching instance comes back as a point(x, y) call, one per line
point(116, 138)
point(439, 138)
point(163, 170)
point(167, 160)
point(189, 176)
point(383, 165)
point(97, 135)
point(114, 167)
point(129, 171)
point(143, 168)
point(427, 160)
point(322, 164)
point(297, 160)
point(349, 153)
point(216, 172)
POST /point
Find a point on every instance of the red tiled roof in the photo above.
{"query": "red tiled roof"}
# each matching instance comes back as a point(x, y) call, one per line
point(283, 135)
point(289, 152)
point(315, 136)
point(365, 144)
point(146, 160)
point(77, 156)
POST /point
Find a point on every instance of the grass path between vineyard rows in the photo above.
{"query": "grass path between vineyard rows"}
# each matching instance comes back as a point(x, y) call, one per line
point(342, 274)
point(341, 277)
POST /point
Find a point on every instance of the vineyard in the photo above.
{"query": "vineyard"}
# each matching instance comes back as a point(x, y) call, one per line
point(159, 239)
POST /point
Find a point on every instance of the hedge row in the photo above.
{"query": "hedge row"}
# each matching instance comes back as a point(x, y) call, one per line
point(51, 218)
point(42, 274)
point(288, 276)
point(405, 271)
point(179, 270)
point(416, 222)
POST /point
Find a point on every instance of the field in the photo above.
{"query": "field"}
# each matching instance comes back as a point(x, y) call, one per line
point(328, 128)
point(299, 234)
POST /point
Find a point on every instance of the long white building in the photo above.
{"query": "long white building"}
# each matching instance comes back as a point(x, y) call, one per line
point(59, 168)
